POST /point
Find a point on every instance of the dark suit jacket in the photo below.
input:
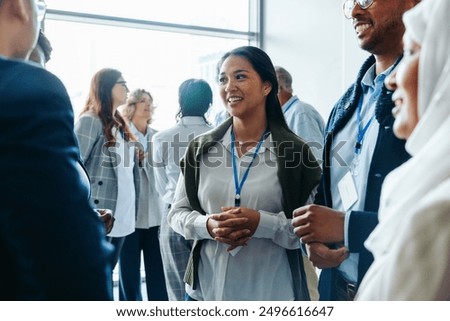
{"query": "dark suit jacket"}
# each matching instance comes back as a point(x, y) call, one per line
point(389, 153)
point(52, 243)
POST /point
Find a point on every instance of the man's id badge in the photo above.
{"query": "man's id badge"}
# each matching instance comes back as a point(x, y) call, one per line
point(347, 190)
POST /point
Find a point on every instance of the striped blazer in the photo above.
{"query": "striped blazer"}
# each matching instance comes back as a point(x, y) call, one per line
point(101, 162)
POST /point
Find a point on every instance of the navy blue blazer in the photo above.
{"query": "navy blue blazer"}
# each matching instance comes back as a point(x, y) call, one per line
point(52, 242)
point(389, 153)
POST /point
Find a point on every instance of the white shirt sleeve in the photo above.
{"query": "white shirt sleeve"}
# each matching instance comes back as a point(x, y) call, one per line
point(278, 228)
point(185, 221)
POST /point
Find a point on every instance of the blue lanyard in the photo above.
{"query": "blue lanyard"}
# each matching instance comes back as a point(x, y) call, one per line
point(238, 185)
point(361, 131)
point(290, 105)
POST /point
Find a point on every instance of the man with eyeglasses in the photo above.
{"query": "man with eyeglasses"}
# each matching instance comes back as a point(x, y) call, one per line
point(52, 242)
point(360, 150)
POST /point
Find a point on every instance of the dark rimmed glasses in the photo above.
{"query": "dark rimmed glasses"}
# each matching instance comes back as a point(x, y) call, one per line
point(41, 8)
point(350, 4)
point(123, 83)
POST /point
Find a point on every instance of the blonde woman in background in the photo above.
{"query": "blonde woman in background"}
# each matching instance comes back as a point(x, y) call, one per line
point(138, 112)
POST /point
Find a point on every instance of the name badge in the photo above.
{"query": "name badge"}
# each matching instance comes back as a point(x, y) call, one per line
point(347, 191)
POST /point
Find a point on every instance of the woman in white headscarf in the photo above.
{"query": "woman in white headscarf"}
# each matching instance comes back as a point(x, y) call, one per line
point(411, 244)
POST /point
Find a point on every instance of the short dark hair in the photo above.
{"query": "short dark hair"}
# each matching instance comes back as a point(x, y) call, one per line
point(195, 97)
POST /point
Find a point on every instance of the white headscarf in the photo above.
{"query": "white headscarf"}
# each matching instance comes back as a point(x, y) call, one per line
point(429, 25)
point(411, 243)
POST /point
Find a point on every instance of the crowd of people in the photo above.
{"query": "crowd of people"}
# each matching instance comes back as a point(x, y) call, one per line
point(269, 203)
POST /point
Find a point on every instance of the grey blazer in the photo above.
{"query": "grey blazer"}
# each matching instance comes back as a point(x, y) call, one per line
point(101, 162)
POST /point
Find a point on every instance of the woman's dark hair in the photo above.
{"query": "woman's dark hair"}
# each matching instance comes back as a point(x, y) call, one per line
point(100, 102)
point(194, 97)
point(262, 64)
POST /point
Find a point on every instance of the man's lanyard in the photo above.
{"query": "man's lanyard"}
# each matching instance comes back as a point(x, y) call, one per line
point(238, 185)
point(362, 130)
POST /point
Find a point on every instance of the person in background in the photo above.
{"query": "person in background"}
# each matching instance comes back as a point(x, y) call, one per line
point(41, 53)
point(245, 248)
point(411, 244)
point(195, 99)
point(52, 241)
point(302, 118)
point(138, 112)
point(220, 117)
point(360, 150)
point(108, 152)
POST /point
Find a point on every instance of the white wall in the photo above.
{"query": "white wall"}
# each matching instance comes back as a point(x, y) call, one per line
point(316, 44)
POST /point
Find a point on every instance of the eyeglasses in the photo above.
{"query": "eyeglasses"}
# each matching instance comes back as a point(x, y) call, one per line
point(350, 4)
point(123, 83)
point(41, 8)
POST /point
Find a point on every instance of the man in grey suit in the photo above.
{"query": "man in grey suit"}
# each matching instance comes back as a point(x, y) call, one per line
point(52, 242)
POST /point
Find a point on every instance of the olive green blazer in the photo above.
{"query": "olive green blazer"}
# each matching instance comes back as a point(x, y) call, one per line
point(298, 172)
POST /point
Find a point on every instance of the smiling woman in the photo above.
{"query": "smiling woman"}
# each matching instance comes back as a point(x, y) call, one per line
point(404, 81)
point(411, 243)
point(244, 247)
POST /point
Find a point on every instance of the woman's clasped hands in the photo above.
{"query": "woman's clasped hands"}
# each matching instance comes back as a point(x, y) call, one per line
point(234, 226)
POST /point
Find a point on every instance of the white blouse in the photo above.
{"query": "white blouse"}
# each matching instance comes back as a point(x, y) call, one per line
point(260, 270)
point(124, 215)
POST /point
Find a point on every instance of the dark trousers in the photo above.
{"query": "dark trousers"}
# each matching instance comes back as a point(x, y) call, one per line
point(145, 241)
point(345, 290)
point(117, 242)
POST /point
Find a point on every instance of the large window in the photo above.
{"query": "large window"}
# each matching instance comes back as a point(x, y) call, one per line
point(155, 44)
point(230, 15)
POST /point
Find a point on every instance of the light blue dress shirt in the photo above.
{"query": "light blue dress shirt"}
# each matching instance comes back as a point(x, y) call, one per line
point(343, 154)
point(306, 122)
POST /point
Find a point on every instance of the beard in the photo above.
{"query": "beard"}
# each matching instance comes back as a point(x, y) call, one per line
point(386, 36)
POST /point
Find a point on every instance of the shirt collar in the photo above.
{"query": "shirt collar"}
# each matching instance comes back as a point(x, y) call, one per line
point(137, 132)
point(289, 103)
point(369, 79)
point(192, 120)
